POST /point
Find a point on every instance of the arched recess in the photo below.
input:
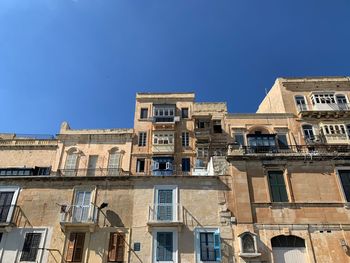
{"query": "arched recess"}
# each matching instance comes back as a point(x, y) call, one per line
point(288, 249)
point(72, 161)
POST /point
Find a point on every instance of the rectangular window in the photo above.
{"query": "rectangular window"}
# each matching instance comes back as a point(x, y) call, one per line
point(140, 165)
point(239, 139)
point(185, 139)
point(186, 164)
point(184, 113)
point(282, 141)
point(163, 138)
point(208, 245)
point(217, 126)
point(30, 247)
point(277, 186)
point(202, 152)
point(116, 247)
point(144, 113)
point(82, 209)
point(142, 139)
point(165, 248)
point(345, 181)
point(75, 247)
point(6, 205)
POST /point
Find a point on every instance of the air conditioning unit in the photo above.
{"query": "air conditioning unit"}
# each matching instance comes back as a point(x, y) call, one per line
point(176, 118)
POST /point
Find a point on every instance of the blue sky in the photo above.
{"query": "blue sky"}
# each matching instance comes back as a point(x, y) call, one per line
point(84, 60)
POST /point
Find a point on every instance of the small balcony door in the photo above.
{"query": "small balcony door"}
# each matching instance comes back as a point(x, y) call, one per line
point(92, 165)
point(81, 207)
point(165, 204)
point(5, 206)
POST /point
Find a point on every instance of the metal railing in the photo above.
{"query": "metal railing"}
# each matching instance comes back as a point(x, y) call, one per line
point(324, 107)
point(79, 214)
point(165, 213)
point(290, 149)
point(9, 214)
point(93, 172)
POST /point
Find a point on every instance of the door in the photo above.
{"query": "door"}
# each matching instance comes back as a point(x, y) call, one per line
point(164, 251)
point(92, 164)
point(5, 206)
point(289, 255)
point(165, 206)
point(81, 208)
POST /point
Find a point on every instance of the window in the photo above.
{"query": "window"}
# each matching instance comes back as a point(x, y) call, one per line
point(202, 124)
point(8, 198)
point(184, 113)
point(75, 247)
point(114, 160)
point(208, 247)
point(323, 98)
point(287, 241)
point(164, 113)
point(308, 132)
point(186, 164)
point(165, 203)
point(345, 181)
point(341, 99)
point(282, 141)
point(301, 104)
point(116, 247)
point(165, 246)
point(144, 113)
point(71, 164)
point(239, 139)
point(185, 139)
point(277, 186)
point(25, 171)
point(202, 152)
point(30, 247)
point(140, 165)
point(163, 138)
point(92, 164)
point(217, 126)
point(162, 166)
point(82, 208)
point(142, 139)
point(248, 244)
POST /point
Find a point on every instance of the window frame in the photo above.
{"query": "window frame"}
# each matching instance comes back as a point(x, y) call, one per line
point(248, 254)
point(340, 184)
point(75, 241)
point(142, 110)
point(142, 139)
point(285, 186)
point(14, 189)
point(185, 139)
point(138, 164)
point(41, 255)
point(123, 237)
point(305, 100)
point(188, 161)
point(175, 201)
point(155, 230)
point(197, 245)
point(185, 116)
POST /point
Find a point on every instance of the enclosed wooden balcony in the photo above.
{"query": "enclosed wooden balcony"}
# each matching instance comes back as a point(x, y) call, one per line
point(326, 110)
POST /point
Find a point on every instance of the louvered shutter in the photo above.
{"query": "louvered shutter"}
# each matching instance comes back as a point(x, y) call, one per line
point(277, 187)
point(217, 245)
point(120, 247)
point(79, 247)
point(70, 247)
point(30, 247)
point(112, 250)
point(165, 204)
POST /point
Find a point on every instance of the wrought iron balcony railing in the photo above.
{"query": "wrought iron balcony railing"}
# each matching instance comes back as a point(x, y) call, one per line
point(165, 214)
point(315, 149)
point(93, 172)
point(78, 214)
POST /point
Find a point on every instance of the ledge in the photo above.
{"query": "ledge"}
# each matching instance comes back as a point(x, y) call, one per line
point(249, 255)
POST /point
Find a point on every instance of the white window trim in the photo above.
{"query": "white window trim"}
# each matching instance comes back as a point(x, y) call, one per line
point(174, 230)
point(343, 94)
point(197, 231)
point(306, 102)
point(39, 256)
point(15, 189)
point(340, 185)
point(175, 189)
point(313, 130)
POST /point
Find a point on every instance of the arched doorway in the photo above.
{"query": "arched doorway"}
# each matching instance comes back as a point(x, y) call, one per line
point(288, 249)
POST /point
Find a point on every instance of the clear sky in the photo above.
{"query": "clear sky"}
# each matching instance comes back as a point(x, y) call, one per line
point(83, 60)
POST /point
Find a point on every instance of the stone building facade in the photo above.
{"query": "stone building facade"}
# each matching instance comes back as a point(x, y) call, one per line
point(189, 183)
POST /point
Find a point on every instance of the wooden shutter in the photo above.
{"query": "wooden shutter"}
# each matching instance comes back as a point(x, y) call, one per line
point(75, 247)
point(217, 245)
point(277, 187)
point(116, 247)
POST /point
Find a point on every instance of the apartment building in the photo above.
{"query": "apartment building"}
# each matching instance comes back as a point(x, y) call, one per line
point(290, 168)
point(189, 183)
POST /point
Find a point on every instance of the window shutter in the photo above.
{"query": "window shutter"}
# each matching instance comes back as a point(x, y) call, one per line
point(120, 247)
point(70, 247)
point(155, 165)
point(217, 245)
point(167, 166)
point(79, 247)
point(112, 250)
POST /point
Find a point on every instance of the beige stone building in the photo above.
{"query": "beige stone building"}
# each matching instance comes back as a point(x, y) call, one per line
point(189, 183)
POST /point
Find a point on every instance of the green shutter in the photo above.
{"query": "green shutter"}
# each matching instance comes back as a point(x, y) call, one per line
point(277, 187)
point(217, 246)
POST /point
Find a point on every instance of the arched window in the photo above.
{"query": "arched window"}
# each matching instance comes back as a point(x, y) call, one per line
point(71, 164)
point(308, 132)
point(301, 103)
point(114, 161)
point(287, 241)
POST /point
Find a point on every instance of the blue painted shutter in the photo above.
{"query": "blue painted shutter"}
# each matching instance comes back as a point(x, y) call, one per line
point(217, 245)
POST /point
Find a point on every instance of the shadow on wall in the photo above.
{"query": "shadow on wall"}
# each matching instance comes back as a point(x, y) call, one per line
point(113, 218)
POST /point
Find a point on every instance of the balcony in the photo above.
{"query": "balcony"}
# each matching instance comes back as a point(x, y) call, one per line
point(165, 215)
point(312, 151)
point(324, 110)
point(163, 148)
point(93, 172)
point(9, 215)
point(336, 138)
point(79, 216)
